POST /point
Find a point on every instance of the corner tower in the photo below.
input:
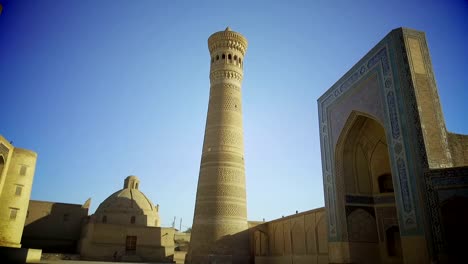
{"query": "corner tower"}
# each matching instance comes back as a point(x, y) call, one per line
point(15, 193)
point(219, 231)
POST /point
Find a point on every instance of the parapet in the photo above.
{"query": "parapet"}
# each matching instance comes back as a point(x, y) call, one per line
point(25, 152)
point(227, 39)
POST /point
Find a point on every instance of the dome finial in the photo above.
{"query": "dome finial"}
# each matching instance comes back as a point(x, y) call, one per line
point(228, 29)
point(131, 182)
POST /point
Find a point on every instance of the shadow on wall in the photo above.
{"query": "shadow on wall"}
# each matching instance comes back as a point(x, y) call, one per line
point(455, 219)
point(229, 244)
point(13, 255)
point(53, 227)
point(20, 255)
point(228, 249)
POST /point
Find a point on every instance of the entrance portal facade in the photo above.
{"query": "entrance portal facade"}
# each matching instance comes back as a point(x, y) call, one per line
point(388, 161)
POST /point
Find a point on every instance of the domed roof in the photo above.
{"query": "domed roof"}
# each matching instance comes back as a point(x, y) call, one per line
point(128, 200)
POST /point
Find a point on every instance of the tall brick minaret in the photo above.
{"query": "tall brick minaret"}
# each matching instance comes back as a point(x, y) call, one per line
point(220, 221)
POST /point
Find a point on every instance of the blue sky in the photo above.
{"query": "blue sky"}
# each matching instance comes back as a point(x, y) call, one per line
point(105, 89)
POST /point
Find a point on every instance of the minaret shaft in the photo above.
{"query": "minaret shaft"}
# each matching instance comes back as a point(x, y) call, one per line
point(220, 219)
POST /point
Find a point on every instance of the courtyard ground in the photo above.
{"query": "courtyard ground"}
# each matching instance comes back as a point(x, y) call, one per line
point(92, 262)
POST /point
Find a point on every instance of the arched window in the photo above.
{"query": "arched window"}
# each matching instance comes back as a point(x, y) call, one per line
point(240, 61)
point(385, 183)
point(132, 220)
point(217, 57)
point(104, 219)
point(235, 57)
point(224, 56)
point(230, 57)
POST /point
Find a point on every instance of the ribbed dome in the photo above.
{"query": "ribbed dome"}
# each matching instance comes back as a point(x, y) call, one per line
point(128, 202)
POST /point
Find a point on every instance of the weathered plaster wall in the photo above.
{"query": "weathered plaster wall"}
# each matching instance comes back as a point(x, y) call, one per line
point(100, 241)
point(458, 145)
point(14, 199)
point(53, 227)
point(430, 112)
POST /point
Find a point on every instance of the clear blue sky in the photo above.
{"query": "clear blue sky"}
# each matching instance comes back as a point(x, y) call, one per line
point(105, 89)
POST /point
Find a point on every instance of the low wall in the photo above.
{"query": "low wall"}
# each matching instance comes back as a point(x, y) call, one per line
point(298, 238)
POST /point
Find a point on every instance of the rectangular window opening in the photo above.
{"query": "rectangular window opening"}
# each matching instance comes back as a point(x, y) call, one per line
point(13, 213)
point(19, 189)
point(23, 170)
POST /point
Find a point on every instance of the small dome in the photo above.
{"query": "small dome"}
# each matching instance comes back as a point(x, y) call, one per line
point(127, 203)
point(131, 182)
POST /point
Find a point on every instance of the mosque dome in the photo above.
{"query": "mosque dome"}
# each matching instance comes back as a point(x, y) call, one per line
point(128, 206)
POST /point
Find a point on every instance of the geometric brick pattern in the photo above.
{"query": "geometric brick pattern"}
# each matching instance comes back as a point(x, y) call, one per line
point(222, 175)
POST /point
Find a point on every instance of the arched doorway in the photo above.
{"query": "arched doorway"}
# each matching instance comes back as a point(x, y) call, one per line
point(393, 241)
point(455, 219)
point(364, 167)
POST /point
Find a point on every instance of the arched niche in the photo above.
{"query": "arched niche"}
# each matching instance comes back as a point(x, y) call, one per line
point(362, 226)
point(364, 156)
point(363, 176)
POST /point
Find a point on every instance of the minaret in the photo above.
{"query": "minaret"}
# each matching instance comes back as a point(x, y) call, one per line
point(220, 220)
